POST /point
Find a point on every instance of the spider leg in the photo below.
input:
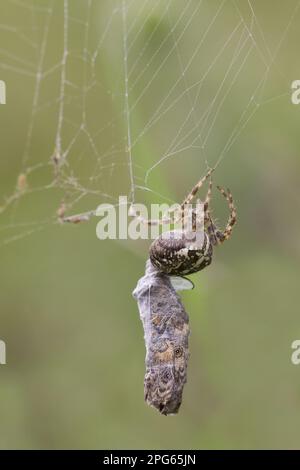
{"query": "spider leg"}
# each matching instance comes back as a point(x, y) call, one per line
point(166, 219)
point(196, 188)
point(208, 223)
point(189, 198)
point(207, 202)
point(232, 216)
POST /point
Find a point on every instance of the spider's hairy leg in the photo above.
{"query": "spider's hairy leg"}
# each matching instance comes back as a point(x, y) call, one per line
point(232, 214)
point(189, 198)
point(207, 216)
point(196, 188)
point(205, 211)
point(208, 223)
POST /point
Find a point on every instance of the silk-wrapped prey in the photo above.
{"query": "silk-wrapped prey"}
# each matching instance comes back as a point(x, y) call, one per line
point(166, 332)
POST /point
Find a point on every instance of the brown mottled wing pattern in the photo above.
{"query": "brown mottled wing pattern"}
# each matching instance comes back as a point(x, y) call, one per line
point(166, 327)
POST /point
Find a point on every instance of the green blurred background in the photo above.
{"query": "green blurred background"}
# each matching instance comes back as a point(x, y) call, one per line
point(75, 350)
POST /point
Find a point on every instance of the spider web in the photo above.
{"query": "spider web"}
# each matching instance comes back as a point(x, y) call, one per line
point(124, 97)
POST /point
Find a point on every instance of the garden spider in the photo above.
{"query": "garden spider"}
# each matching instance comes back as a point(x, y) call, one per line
point(182, 252)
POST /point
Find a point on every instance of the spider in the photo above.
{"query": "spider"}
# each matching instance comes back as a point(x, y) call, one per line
point(179, 252)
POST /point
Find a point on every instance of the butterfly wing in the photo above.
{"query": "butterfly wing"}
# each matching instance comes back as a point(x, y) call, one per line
point(181, 283)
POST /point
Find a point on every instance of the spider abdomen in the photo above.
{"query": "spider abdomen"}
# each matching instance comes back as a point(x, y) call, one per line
point(179, 253)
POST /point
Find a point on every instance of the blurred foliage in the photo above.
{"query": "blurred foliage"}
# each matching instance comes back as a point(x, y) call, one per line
point(75, 351)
